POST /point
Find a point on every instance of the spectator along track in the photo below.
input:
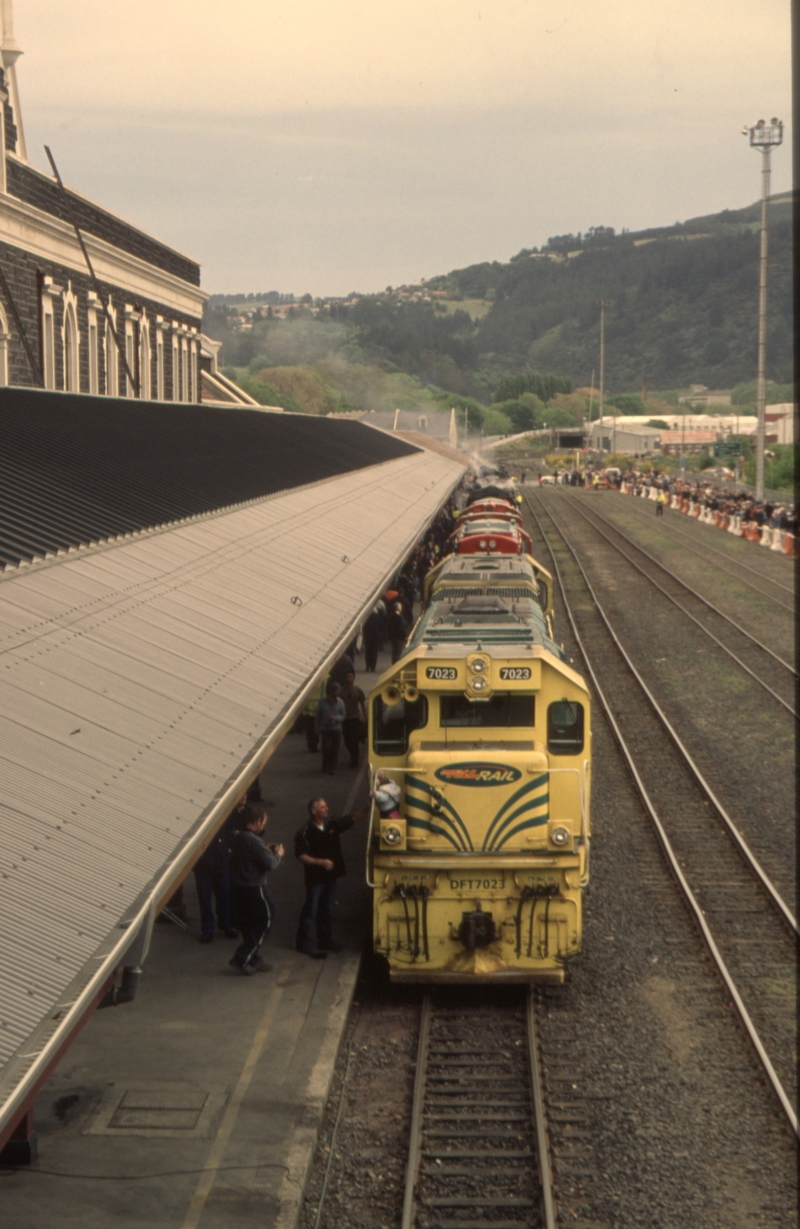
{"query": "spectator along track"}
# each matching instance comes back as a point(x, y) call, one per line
point(738, 902)
point(767, 667)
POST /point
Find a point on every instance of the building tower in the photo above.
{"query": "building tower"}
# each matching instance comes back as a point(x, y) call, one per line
point(10, 51)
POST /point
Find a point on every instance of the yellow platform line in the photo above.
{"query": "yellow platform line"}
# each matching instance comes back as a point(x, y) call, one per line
point(212, 1165)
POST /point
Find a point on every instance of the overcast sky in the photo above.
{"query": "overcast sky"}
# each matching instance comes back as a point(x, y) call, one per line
point(313, 145)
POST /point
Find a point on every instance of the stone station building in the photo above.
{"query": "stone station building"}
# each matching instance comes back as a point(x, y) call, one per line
point(49, 300)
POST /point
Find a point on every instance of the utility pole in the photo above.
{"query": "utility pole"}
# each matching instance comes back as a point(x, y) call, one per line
point(763, 137)
point(602, 304)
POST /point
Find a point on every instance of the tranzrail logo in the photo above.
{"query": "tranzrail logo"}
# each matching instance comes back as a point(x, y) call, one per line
point(478, 774)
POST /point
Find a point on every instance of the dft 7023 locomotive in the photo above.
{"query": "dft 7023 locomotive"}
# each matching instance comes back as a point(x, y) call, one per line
point(485, 726)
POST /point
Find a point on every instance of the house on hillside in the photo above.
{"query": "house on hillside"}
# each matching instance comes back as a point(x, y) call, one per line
point(131, 330)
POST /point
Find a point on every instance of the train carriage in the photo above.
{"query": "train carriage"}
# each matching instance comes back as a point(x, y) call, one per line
point(486, 728)
point(491, 536)
point(491, 508)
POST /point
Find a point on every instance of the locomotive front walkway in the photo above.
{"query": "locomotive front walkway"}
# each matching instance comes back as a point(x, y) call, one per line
point(236, 1070)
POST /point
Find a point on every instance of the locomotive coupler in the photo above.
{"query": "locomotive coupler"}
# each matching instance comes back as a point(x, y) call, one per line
point(477, 929)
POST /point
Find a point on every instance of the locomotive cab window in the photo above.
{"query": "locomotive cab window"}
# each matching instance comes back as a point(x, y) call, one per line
point(565, 728)
point(392, 724)
point(501, 709)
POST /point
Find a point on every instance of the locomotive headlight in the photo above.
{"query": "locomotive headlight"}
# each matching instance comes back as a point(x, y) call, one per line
point(478, 684)
point(478, 664)
point(391, 835)
point(492, 544)
point(482, 544)
point(560, 836)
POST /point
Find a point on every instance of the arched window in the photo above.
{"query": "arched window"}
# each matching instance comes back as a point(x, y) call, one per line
point(145, 381)
point(184, 370)
point(112, 357)
point(71, 371)
point(4, 340)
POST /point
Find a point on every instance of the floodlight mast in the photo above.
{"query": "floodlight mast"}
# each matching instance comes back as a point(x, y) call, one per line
point(764, 137)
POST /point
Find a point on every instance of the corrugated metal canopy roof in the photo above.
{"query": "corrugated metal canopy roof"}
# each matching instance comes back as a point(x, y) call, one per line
point(76, 469)
point(140, 680)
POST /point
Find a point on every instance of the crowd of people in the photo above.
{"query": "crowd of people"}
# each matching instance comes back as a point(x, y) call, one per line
point(231, 875)
point(705, 493)
point(702, 492)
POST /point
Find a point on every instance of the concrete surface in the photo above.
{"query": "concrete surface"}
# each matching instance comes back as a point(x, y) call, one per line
point(238, 1068)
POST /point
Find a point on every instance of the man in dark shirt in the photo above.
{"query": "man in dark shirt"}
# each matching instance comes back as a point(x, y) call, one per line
point(318, 846)
point(355, 716)
point(251, 860)
point(396, 628)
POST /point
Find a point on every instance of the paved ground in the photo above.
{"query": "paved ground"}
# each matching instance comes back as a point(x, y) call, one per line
point(244, 1063)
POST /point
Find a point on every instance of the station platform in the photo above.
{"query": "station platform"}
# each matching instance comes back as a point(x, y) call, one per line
point(197, 1106)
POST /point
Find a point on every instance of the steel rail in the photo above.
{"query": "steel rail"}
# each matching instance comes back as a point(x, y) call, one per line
point(672, 575)
point(669, 852)
point(537, 1094)
point(743, 665)
point(640, 512)
point(719, 807)
point(415, 1135)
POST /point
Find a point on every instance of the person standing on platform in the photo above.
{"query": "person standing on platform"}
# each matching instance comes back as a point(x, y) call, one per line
point(341, 668)
point(213, 881)
point(373, 635)
point(396, 629)
point(328, 725)
point(251, 861)
point(661, 499)
point(310, 713)
point(355, 716)
point(318, 846)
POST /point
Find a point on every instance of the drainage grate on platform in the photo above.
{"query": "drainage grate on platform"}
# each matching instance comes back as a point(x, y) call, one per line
point(155, 1109)
point(159, 1109)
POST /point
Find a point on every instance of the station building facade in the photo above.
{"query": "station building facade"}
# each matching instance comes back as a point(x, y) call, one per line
point(49, 300)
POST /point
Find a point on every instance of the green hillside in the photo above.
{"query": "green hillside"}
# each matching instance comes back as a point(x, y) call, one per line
point(683, 304)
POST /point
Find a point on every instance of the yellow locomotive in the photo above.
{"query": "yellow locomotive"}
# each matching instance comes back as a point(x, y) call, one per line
point(510, 576)
point(478, 874)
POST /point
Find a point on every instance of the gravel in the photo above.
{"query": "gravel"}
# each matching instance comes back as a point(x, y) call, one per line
point(659, 1112)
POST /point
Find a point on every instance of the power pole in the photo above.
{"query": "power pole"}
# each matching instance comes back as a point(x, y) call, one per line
point(602, 304)
point(763, 137)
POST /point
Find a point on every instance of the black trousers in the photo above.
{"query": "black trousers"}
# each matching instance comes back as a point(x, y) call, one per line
point(351, 733)
point(255, 910)
point(312, 738)
point(331, 740)
point(371, 655)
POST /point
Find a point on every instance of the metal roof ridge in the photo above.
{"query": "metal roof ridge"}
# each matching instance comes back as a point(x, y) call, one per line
point(38, 562)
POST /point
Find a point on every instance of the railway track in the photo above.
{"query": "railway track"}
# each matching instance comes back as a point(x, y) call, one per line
point(767, 586)
point(747, 925)
point(478, 1150)
point(755, 658)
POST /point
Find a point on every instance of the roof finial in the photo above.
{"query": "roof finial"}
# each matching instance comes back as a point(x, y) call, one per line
point(10, 51)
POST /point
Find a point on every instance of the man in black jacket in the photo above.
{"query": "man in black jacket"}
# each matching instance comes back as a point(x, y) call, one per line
point(251, 860)
point(318, 846)
point(396, 629)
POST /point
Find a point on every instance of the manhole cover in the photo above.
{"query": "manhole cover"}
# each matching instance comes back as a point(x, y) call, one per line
point(159, 1110)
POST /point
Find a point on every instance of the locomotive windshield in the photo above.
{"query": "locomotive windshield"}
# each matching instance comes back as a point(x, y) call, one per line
point(501, 709)
point(565, 728)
